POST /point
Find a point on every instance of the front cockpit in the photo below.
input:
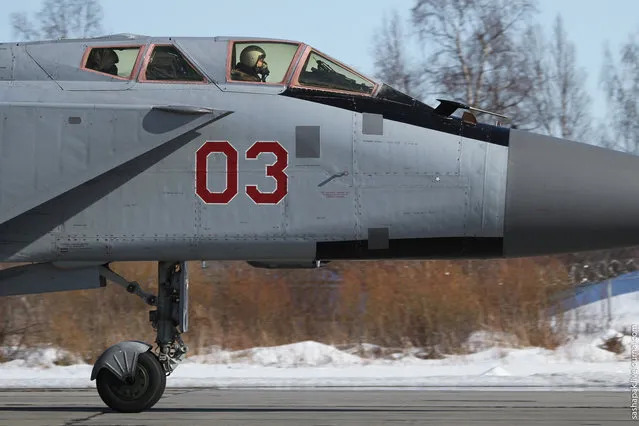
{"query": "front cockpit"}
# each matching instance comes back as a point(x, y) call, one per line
point(294, 65)
point(261, 62)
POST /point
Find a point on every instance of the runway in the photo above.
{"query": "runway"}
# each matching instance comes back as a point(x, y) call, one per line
point(194, 407)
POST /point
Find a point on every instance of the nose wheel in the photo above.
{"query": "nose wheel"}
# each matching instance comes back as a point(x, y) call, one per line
point(137, 392)
point(130, 376)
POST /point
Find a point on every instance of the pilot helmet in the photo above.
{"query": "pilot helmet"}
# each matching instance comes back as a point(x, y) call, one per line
point(251, 54)
point(110, 58)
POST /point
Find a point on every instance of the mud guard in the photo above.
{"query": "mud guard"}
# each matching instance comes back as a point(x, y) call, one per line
point(121, 359)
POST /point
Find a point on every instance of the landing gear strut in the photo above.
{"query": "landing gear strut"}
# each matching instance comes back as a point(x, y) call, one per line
point(131, 376)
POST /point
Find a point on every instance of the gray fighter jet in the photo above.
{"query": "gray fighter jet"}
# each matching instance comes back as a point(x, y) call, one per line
point(136, 148)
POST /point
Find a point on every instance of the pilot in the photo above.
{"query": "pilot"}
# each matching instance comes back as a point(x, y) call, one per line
point(104, 60)
point(109, 61)
point(251, 65)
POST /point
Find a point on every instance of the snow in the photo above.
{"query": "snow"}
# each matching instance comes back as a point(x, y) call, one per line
point(497, 371)
point(307, 354)
point(580, 364)
point(594, 317)
point(494, 361)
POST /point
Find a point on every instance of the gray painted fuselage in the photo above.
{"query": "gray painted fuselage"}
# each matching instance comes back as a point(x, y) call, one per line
point(94, 169)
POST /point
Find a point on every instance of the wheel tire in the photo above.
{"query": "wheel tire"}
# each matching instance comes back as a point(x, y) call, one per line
point(145, 391)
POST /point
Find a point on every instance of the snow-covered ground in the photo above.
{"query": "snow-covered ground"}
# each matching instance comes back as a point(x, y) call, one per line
point(579, 364)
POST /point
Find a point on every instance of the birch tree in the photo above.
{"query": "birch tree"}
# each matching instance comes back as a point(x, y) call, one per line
point(475, 52)
point(621, 85)
point(560, 102)
point(391, 58)
point(59, 19)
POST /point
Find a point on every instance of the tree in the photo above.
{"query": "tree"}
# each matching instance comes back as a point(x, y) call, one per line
point(391, 59)
point(476, 52)
point(559, 101)
point(621, 86)
point(59, 19)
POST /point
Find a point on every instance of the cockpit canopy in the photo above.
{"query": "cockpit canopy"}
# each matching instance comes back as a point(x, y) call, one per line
point(293, 64)
point(252, 61)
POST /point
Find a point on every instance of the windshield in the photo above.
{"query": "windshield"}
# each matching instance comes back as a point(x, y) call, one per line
point(319, 71)
point(265, 62)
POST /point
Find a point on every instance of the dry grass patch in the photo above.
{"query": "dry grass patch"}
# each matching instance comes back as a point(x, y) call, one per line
point(433, 305)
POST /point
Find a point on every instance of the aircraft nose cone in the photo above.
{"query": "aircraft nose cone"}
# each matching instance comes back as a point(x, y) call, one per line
point(564, 196)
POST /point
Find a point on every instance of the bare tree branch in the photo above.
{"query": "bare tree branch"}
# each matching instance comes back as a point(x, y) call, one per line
point(22, 27)
point(560, 103)
point(391, 61)
point(60, 19)
point(621, 86)
point(476, 55)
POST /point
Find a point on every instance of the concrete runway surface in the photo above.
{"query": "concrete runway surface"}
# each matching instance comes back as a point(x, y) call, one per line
point(194, 407)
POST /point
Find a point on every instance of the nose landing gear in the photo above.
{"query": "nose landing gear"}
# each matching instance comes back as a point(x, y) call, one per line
point(130, 376)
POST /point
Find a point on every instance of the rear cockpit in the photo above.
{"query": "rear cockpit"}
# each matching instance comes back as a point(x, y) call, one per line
point(116, 61)
point(162, 63)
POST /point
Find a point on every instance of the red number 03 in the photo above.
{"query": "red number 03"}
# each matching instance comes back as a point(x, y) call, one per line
point(275, 171)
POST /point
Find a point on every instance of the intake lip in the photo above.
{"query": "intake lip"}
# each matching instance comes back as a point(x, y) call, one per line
point(564, 196)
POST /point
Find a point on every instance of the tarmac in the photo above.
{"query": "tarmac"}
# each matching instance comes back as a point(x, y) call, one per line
point(322, 407)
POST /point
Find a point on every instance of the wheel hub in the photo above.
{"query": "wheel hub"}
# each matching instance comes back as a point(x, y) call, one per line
point(133, 387)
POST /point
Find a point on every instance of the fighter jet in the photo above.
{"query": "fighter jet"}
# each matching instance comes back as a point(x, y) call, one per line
point(171, 149)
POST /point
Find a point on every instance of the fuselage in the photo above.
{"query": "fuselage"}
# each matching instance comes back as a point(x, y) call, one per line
point(101, 167)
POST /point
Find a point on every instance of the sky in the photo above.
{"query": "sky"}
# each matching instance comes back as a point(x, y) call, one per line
point(344, 28)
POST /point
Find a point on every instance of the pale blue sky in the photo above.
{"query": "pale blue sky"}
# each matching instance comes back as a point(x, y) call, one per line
point(342, 28)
